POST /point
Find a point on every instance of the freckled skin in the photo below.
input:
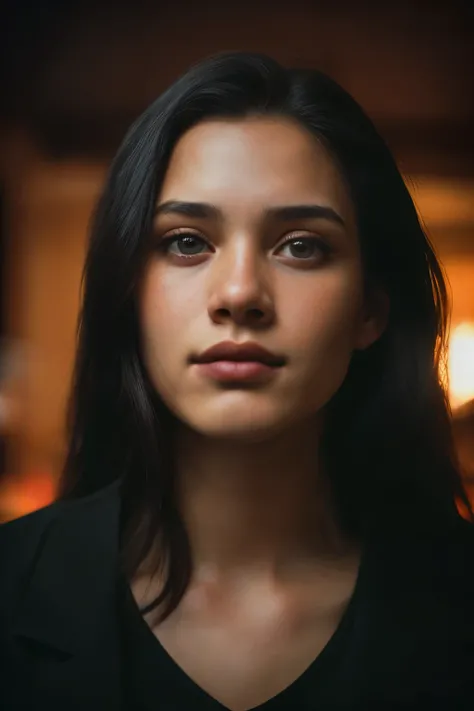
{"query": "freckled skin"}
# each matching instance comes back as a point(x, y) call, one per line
point(312, 311)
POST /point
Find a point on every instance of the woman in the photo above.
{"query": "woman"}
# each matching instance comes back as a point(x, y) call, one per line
point(259, 507)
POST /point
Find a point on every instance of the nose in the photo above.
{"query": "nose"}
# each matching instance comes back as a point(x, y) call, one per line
point(240, 290)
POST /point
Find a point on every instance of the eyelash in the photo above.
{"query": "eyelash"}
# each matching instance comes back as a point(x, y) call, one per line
point(165, 243)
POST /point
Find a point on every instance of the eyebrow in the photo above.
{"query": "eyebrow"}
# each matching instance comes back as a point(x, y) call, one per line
point(204, 210)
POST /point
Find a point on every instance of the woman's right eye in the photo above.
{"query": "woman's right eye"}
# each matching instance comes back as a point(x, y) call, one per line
point(183, 244)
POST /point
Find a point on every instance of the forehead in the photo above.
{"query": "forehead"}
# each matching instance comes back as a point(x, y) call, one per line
point(254, 160)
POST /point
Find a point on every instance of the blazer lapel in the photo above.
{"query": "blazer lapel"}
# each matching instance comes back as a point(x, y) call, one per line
point(67, 622)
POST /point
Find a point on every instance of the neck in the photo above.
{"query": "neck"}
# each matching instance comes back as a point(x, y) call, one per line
point(255, 505)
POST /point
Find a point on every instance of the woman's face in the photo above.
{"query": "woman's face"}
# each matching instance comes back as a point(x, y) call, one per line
point(221, 268)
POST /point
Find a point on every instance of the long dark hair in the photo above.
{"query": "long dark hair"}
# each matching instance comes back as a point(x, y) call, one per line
point(388, 444)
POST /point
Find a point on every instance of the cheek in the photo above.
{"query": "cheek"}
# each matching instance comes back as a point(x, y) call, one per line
point(322, 329)
point(167, 311)
point(157, 322)
point(167, 298)
point(325, 318)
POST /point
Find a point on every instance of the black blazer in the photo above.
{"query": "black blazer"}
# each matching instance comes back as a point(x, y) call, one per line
point(60, 638)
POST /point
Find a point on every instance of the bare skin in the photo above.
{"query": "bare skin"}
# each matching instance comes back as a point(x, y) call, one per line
point(272, 571)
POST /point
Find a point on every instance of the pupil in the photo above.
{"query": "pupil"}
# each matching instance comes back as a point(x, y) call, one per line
point(299, 247)
point(189, 242)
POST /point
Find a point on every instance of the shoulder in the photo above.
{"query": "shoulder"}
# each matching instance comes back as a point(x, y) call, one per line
point(431, 566)
point(440, 566)
point(457, 558)
point(454, 550)
point(420, 611)
point(22, 540)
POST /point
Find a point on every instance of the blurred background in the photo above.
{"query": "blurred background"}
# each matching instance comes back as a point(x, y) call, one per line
point(74, 76)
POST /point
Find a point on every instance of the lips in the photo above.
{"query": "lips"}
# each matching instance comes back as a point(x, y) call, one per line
point(240, 352)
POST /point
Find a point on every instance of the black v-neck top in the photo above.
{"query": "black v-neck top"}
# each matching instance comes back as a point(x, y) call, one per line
point(401, 645)
point(155, 682)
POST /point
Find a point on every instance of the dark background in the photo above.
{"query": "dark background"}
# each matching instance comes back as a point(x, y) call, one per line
point(77, 73)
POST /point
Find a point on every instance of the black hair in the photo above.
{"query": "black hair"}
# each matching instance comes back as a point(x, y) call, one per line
point(388, 444)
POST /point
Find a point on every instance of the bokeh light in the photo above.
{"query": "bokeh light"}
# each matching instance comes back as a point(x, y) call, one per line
point(461, 364)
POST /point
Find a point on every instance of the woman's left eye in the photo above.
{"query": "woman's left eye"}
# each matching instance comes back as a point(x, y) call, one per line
point(306, 247)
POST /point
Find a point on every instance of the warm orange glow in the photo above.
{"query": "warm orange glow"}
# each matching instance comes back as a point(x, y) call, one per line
point(461, 364)
point(21, 495)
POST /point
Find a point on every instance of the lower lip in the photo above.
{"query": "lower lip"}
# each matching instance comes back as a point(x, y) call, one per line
point(236, 371)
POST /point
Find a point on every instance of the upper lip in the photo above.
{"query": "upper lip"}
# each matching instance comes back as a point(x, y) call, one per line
point(249, 351)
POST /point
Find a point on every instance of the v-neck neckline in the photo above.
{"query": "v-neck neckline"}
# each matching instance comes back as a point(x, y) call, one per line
point(282, 700)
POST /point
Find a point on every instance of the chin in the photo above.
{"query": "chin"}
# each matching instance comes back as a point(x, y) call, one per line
point(245, 435)
point(240, 424)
